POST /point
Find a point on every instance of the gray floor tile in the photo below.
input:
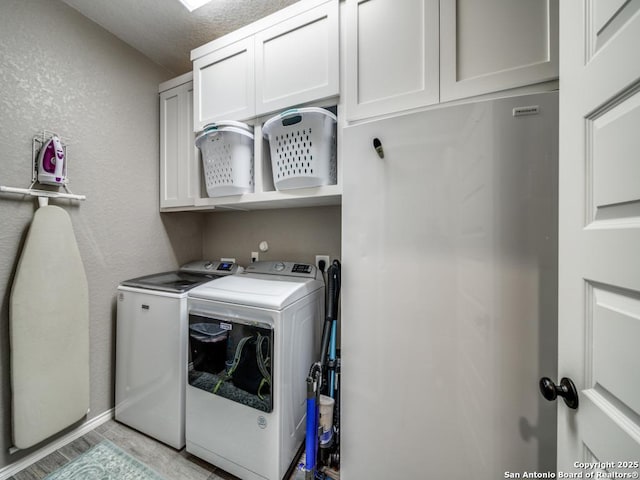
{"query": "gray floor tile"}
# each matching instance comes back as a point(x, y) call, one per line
point(81, 445)
point(198, 461)
point(43, 467)
point(106, 426)
point(168, 462)
point(165, 460)
point(222, 475)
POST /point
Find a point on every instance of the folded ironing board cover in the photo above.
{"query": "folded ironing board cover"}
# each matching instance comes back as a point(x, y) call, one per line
point(49, 331)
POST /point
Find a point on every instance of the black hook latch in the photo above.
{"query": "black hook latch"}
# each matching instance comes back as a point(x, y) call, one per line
point(377, 144)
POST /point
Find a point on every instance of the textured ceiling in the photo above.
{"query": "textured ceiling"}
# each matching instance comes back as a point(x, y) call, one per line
point(165, 31)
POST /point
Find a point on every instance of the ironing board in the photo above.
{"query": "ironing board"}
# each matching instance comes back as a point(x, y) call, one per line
point(49, 331)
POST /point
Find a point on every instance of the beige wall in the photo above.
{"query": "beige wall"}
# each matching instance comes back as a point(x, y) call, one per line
point(61, 72)
point(293, 234)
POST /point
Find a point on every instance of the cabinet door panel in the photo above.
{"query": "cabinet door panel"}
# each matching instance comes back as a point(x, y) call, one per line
point(224, 84)
point(297, 60)
point(494, 45)
point(192, 154)
point(391, 56)
point(169, 148)
point(179, 167)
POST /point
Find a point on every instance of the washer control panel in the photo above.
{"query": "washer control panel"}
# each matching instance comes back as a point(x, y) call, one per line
point(211, 266)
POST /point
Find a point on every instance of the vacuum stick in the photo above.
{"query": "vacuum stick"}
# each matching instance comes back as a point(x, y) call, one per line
point(327, 364)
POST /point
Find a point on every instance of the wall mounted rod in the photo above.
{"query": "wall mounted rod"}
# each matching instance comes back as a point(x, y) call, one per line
point(41, 193)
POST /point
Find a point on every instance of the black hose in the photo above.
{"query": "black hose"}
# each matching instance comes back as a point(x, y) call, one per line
point(333, 289)
point(333, 296)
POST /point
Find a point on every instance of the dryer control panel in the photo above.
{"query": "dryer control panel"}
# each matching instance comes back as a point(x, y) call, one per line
point(291, 269)
point(211, 266)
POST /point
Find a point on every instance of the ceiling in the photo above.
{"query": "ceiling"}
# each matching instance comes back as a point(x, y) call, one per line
point(165, 31)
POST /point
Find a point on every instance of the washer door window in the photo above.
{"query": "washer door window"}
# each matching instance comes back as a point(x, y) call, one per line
point(232, 359)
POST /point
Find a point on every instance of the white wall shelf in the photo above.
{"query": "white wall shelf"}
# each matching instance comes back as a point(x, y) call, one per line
point(301, 197)
point(265, 195)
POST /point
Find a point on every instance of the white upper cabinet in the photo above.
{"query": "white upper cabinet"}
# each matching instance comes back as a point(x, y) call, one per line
point(391, 56)
point(406, 55)
point(224, 84)
point(285, 59)
point(297, 60)
point(179, 167)
point(495, 45)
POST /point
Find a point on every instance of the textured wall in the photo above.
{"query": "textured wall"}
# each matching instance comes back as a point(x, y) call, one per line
point(61, 72)
point(293, 234)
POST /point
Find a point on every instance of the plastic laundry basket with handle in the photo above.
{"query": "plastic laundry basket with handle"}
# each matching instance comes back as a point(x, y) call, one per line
point(227, 158)
point(302, 143)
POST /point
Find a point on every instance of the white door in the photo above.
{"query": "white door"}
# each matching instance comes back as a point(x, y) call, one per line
point(599, 235)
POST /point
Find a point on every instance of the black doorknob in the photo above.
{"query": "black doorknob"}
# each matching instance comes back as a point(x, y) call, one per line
point(566, 390)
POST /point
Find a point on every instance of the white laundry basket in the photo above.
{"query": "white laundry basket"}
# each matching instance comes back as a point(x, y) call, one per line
point(227, 158)
point(302, 143)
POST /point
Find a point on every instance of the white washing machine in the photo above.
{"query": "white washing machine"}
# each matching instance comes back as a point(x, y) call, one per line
point(151, 348)
point(246, 406)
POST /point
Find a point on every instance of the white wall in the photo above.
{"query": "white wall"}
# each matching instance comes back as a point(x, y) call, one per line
point(61, 72)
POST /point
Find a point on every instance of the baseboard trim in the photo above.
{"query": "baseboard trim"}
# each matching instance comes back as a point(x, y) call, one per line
point(32, 458)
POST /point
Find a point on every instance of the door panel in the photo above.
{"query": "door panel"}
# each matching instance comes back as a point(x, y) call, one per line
point(496, 45)
point(599, 267)
point(614, 358)
point(170, 148)
point(224, 84)
point(613, 143)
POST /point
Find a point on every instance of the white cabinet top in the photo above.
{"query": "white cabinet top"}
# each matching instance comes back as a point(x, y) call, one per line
point(176, 82)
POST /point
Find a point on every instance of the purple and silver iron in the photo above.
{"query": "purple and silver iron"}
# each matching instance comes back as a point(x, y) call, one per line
point(51, 163)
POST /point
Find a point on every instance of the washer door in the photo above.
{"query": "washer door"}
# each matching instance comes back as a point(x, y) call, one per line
point(233, 359)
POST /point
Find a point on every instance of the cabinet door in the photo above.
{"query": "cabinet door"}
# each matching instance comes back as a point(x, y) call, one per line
point(192, 169)
point(391, 56)
point(495, 45)
point(179, 169)
point(448, 294)
point(224, 84)
point(297, 60)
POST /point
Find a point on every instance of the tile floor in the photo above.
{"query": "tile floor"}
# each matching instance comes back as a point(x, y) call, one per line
point(168, 462)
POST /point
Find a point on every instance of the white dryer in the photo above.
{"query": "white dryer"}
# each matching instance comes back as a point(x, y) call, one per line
point(246, 391)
